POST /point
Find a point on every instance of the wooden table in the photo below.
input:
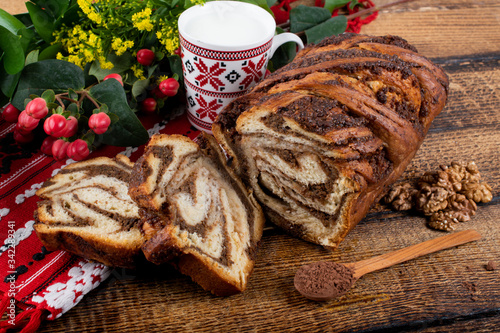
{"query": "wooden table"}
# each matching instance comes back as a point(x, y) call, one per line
point(447, 291)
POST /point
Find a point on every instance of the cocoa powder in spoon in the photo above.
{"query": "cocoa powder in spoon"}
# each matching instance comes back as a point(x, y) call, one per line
point(324, 280)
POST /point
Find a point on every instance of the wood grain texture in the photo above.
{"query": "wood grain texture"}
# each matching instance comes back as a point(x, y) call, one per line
point(442, 28)
point(447, 291)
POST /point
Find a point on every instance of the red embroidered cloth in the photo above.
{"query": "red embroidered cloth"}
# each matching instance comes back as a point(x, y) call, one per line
point(36, 284)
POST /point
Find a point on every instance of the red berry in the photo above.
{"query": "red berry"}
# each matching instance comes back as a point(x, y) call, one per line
point(71, 127)
point(10, 113)
point(145, 57)
point(46, 147)
point(78, 150)
point(55, 125)
point(37, 108)
point(99, 122)
point(21, 129)
point(178, 51)
point(117, 77)
point(157, 93)
point(26, 122)
point(23, 138)
point(169, 87)
point(149, 105)
point(59, 149)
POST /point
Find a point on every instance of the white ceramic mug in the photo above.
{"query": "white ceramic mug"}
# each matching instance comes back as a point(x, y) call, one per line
point(225, 48)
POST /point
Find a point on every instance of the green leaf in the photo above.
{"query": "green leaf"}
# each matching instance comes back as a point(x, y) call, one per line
point(89, 136)
point(32, 57)
point(151, 70)
point(271, 3)
point(128, 131)
point(331, 5)
point(354, 3)
point(55, 8)
point(43, 22)
point(13, 57)
point(334, 26)
point(175, 63)
point(54, 74)
point(49, 96)
point(8, 83)
point(89, 79)
point(73, 109)
point(73, 94)
point(113, 117)
point(50, 52)
point(27, 37)
point(121, 64)
point(9, 22)
point(52, 105)
point(70, 17)
point(140, 87)
point(3, 99)
point(104, 108)
point(304, 17)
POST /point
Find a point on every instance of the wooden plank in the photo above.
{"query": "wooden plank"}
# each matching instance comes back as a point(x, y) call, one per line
point(474, 85)
point(442, 28)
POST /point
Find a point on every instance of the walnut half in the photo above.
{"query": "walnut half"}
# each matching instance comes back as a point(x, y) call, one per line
point(448, 196)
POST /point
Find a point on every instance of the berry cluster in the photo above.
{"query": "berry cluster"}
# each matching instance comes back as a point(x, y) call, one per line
point(167, 87)
point(63, 138)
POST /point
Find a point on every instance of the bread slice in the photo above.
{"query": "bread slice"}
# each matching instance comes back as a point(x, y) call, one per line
point(86, 210)
point(197, 213)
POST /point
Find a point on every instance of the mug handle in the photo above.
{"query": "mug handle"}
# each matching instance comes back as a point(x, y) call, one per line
point(283, 38)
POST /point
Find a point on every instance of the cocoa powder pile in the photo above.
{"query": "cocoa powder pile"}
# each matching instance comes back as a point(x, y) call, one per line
point(323, 280)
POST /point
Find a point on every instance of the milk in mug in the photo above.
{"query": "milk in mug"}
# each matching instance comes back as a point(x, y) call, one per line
point(225, 24)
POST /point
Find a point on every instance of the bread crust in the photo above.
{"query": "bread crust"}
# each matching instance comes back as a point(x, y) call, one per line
point(345, 117)
point(79, 236)
point(86, 246)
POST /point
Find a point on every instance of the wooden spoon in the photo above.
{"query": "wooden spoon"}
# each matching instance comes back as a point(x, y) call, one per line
point(326, 280)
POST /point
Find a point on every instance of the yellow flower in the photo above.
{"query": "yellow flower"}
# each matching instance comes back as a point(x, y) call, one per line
point(168, 36)
point(89, 55)
point(95, 17)
point(84, 6)
point(75, 60)
point(120, 46)
point(106, 65)
point(138, 72)
point(129, 44)
point(161, 78)
point(93, 40)
point(144, 25)
point(142, 20)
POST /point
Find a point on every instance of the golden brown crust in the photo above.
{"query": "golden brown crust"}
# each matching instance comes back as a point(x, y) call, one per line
point(88, 247)
point(360, 106)
point(204, 274)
